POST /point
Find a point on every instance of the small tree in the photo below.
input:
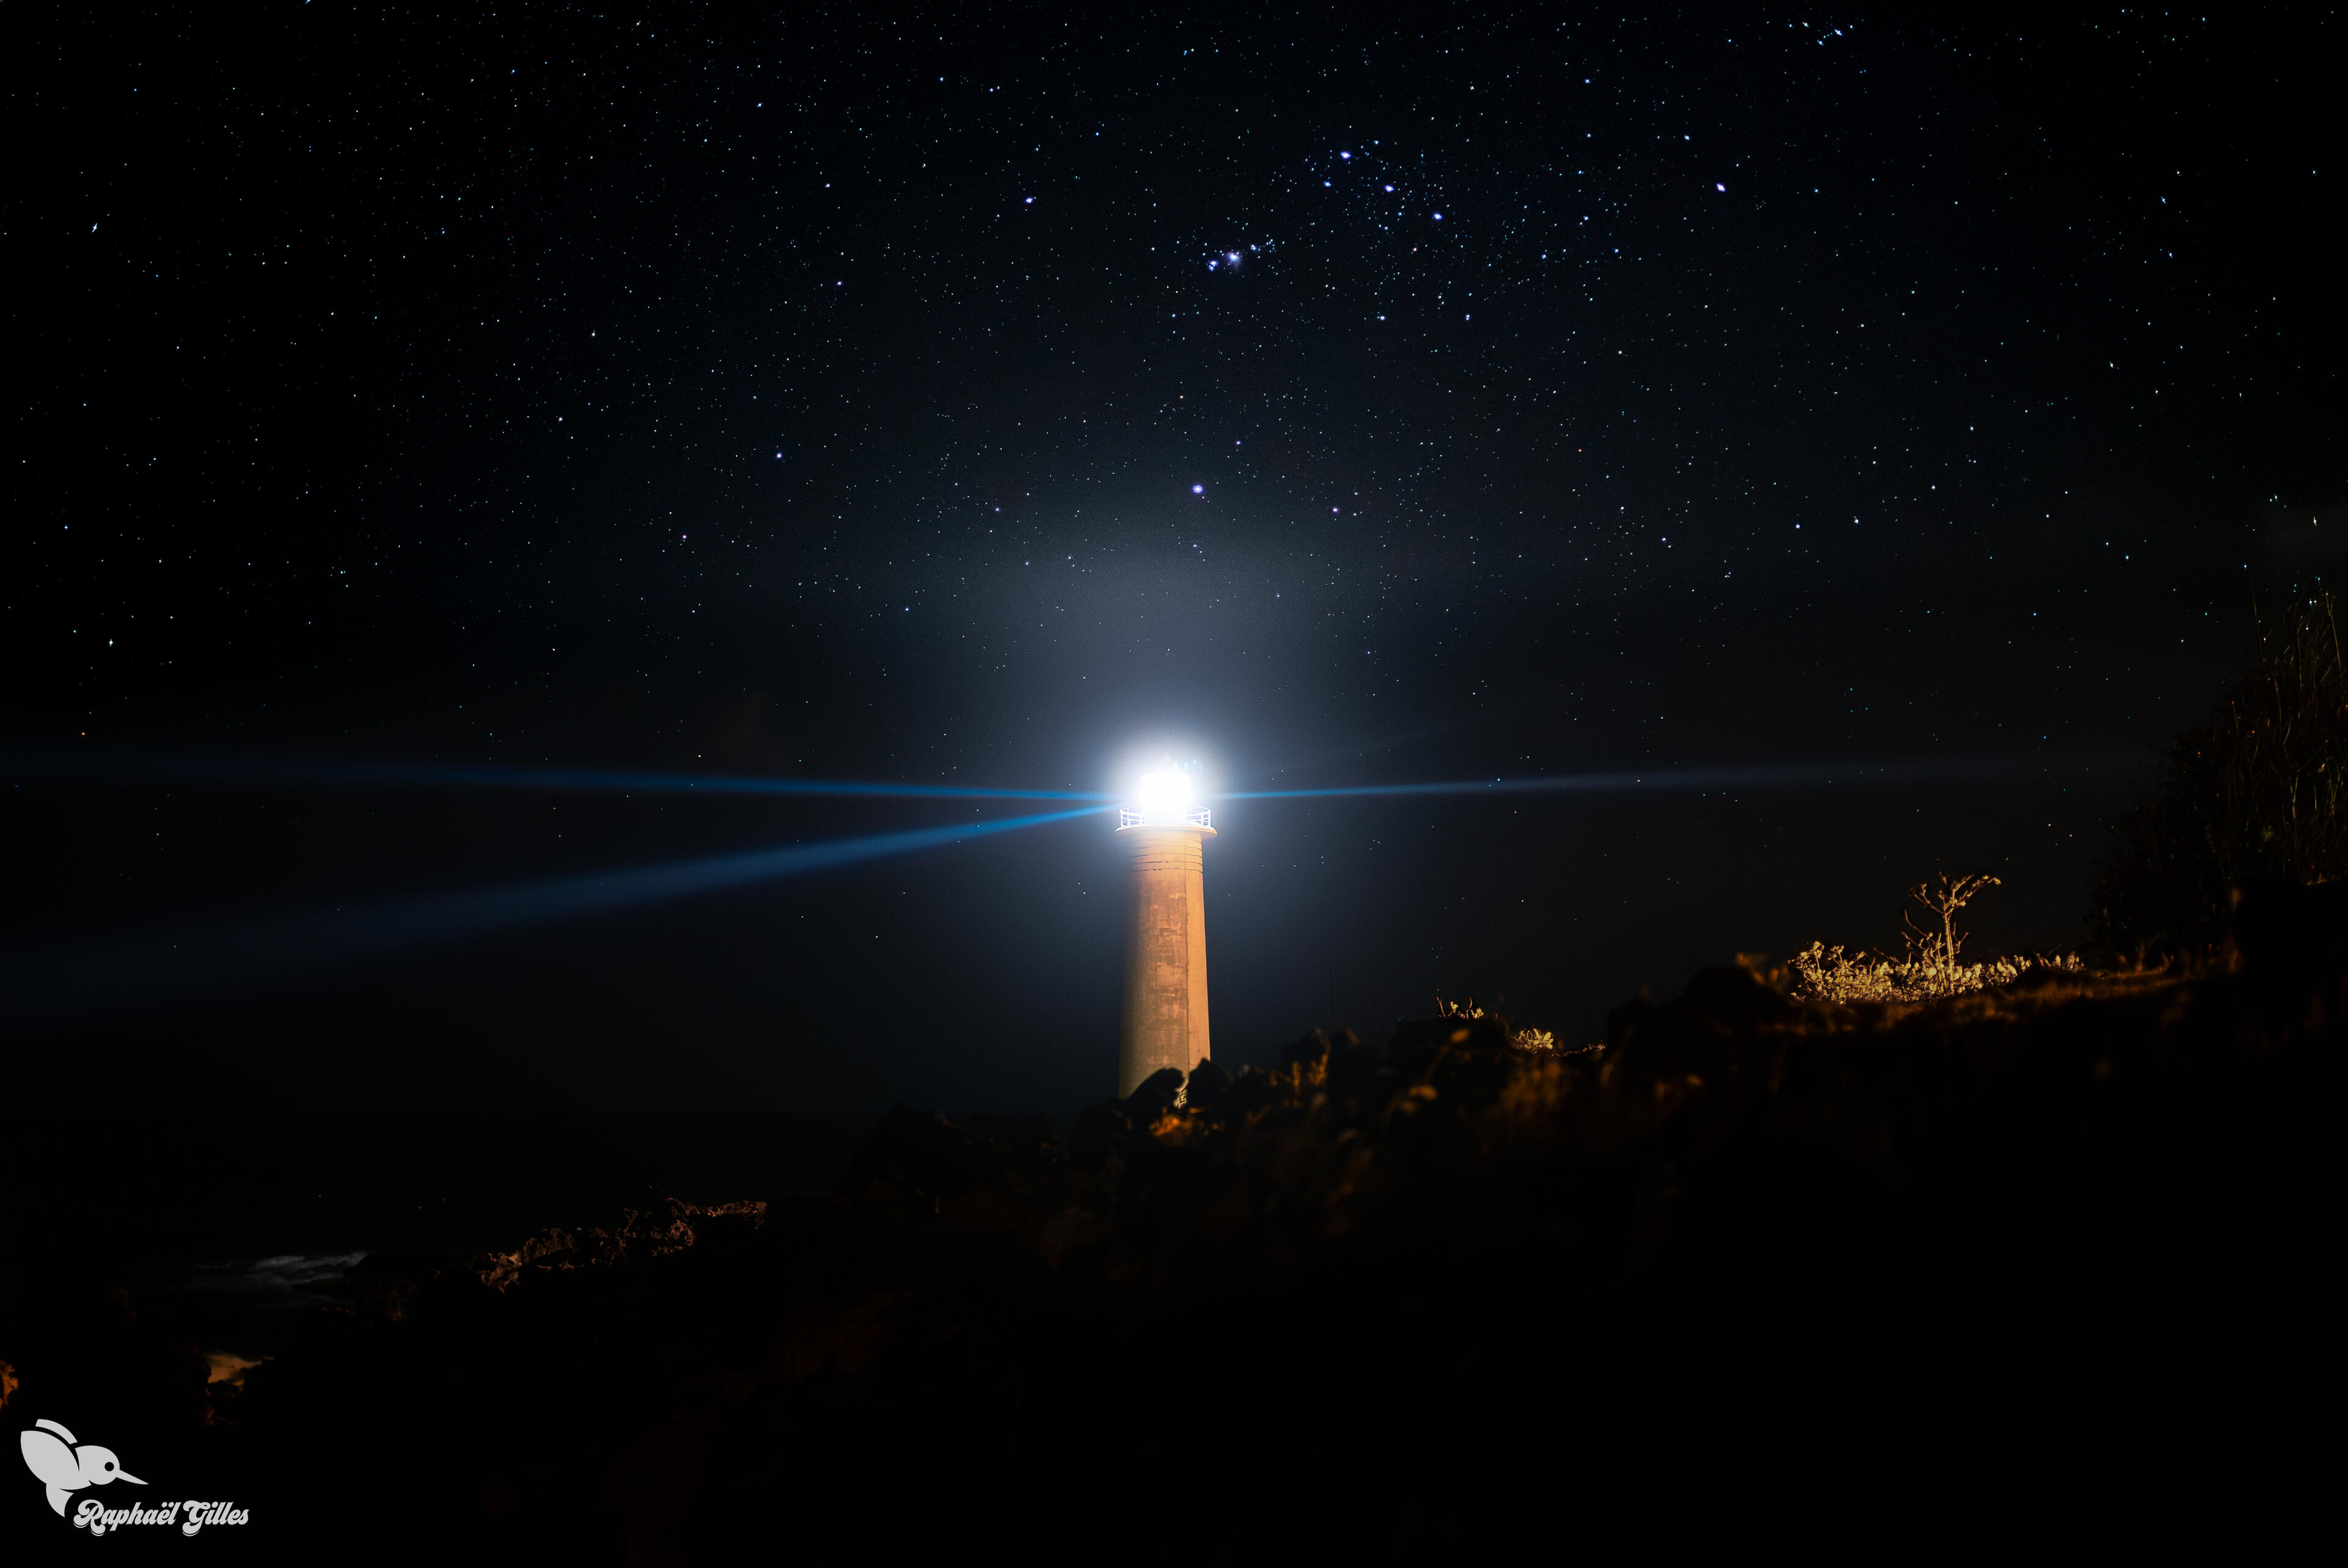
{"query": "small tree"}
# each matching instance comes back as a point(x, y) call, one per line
point(1943, 897)
point(1931, 971)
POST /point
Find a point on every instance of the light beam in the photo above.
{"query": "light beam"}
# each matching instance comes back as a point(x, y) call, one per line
point(1764, 777)
point(36, 984)
point(138, 768)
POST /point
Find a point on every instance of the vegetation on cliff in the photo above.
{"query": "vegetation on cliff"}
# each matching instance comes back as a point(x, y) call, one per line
point(2255, 797)
point(1932, 968)
point(1218, 1296)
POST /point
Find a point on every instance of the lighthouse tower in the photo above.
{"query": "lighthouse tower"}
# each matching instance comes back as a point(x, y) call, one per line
point(1164, 1023)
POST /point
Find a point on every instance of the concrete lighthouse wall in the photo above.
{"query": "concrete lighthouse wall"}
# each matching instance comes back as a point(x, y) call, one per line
point(1165, 1021)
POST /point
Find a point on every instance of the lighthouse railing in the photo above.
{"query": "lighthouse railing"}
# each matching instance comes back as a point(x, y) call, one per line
point(1127, 817)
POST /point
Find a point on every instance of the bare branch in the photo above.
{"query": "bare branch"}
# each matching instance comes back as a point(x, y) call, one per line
point(1943, 897)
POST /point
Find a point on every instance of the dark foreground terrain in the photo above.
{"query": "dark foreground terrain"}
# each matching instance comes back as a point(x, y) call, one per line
point(2060, 1247)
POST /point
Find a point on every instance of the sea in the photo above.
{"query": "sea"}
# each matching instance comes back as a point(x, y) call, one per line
point(229, 1224)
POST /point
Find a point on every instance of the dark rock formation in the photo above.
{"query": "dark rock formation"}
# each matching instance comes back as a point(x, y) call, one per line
point(640, 1236)
point(1378, 1296)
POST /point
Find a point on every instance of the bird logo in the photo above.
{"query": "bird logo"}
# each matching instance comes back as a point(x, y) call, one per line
point(65, 1466)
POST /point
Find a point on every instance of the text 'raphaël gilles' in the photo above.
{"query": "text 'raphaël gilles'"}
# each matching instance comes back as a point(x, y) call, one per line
point(98, 1519)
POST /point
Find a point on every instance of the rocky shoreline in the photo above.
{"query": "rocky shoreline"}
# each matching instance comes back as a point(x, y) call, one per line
point(2081, 1204)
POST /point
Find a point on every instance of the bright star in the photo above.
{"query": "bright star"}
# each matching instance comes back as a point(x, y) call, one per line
point(1198, 490)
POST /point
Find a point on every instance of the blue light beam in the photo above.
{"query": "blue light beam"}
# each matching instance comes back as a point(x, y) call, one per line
point(139, 768)
point(1959, 769)
point(43, 984)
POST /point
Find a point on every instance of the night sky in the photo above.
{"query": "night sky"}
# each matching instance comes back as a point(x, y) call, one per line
point(978, 395)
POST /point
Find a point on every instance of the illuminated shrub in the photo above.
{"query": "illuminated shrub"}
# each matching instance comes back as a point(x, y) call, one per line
point(1931, 970)
point(1824, 974)
point(1525, 1039)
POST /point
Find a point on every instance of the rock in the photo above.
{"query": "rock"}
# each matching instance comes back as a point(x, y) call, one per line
point(1208, 1083)
point(1153, 1097)
point(1738, 1207)
point(642, 1234)
point(1311, 1051)
point(1098, 1129)
point(1732, 994)
point(2294, 948)
point(1249, 1093)
point(1350, 1064)
point(1418, 1042)
point(921, 1154)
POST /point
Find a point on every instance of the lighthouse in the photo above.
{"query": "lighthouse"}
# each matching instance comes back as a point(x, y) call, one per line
point(1164, 1023)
